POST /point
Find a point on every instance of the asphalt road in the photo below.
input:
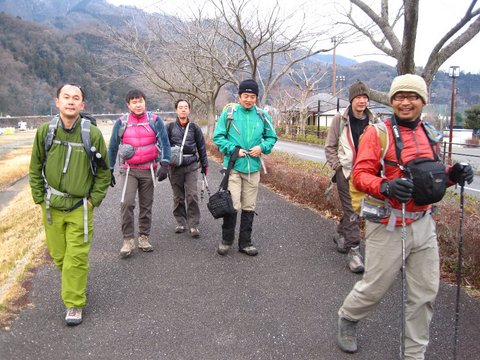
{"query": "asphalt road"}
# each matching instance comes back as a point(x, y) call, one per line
point(183, 301)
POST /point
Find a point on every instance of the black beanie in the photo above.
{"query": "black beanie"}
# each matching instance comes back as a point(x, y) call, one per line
point(248, 86)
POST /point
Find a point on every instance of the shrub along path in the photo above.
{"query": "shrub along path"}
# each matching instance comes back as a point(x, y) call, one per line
point(183, 301)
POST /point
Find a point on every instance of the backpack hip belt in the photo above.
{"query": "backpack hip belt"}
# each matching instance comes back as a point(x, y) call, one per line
point(50, 190)
point(397, 213)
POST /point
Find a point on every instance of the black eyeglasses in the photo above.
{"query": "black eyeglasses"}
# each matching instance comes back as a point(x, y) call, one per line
point(409, 97)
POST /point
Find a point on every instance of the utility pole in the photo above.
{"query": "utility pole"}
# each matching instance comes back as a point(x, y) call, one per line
point(334, 67)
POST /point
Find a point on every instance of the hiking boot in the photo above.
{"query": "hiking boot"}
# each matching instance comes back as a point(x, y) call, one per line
point(73, 317)
point(340, 241)
point(355, 260)
point(144, 243)
point(223, 249)
point(194, 232)
point(127, 248)
point(347, 335)
point(179, 229)
point(250, 250)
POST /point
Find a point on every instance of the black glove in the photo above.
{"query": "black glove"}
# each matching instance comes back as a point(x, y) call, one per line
point(112, 181)
point(162, 171)
point(460, 173)
point(399, 188)
point(204, 170)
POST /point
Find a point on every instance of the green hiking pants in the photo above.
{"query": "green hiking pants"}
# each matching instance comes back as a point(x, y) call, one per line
point(65, 243)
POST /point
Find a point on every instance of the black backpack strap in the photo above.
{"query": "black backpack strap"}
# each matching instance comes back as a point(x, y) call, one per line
point(433, 141)
point(398, 142)
point(170, 129)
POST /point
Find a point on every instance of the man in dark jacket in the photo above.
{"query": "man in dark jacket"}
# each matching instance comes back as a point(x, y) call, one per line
point(184, 178)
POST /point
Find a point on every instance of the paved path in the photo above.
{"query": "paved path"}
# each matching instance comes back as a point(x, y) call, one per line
point(183, 301)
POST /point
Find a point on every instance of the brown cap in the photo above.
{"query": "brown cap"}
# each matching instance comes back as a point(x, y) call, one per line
point(358, 88)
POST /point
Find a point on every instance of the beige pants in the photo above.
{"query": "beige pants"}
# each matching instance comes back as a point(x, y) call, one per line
point(383, 261)
point(244, 189)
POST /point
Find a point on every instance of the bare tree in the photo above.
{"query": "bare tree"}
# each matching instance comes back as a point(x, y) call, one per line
point(177, 57)
point(269, 45)
point(381, 33)
point(198, 56)
point(306, 84)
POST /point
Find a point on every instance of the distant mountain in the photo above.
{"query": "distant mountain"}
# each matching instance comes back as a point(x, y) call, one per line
point(339, 59)
point(46, 42)
point(63, 14)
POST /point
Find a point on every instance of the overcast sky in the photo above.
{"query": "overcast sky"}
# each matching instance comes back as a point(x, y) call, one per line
point(435, 19)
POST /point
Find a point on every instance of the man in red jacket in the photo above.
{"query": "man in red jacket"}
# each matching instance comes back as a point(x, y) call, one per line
point(397, 186)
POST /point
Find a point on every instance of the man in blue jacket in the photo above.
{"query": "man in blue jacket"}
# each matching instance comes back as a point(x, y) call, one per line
point(245, 126)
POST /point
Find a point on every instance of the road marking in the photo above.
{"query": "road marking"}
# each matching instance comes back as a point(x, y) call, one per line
point(457, 189)
point(314, 156)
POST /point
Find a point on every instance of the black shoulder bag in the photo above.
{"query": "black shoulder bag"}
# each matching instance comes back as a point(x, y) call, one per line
point(220, 204)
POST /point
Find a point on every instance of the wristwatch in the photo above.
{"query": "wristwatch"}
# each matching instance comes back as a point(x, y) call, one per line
point(385, 188)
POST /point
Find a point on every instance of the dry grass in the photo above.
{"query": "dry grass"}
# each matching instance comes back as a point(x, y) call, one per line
point(21, 250)
point(14, 166)
point(19, 223)
point(21, 245)
point(448, 228)
point(305, 182)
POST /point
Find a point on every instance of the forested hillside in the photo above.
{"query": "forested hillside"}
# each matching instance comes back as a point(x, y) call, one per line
point(35, 59)
point(46, 43)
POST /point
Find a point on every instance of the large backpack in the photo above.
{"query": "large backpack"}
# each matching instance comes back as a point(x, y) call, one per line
point(124, 120)
point(95, 160)
point(359, 197)
point(362, 201)
point(85, 124)
point(232, 107)
point(428, 175)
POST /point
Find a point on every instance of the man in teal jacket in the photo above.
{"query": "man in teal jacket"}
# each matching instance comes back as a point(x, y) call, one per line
point(249, 128)
point(68, 186)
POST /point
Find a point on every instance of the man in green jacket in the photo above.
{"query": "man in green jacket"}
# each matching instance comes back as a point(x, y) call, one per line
point(68, 185)
point(245, 126)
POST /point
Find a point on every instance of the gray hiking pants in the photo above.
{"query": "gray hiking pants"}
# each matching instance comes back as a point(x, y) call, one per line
point(183, 180)
point(142, 181)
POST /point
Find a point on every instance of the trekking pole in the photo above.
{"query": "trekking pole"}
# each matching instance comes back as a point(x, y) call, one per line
point(459, 271)
point(404, 292)
point(205, 186)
